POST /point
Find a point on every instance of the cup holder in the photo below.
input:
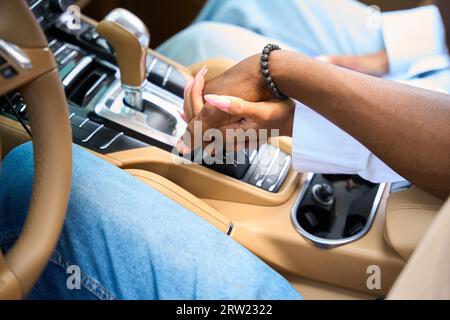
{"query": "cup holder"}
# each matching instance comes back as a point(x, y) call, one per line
point(333, 210)
point(354, 225)
point(315, 220)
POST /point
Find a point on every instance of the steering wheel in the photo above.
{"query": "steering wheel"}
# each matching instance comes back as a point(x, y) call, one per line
point(34, 73)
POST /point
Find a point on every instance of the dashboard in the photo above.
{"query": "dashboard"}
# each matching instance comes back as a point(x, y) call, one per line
point(90, 75)
point(48, 11)
point(87, 67)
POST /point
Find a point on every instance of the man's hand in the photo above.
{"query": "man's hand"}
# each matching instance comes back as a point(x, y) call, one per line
point(376, 64)
point(244, 80)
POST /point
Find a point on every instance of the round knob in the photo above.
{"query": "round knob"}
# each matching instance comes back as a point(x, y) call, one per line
point(60, 5)
point(326, 191)
point(323, 194)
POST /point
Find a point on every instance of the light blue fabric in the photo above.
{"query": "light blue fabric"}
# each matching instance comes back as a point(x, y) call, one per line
point(313, 27)
point(131, 242)
point(237, 29)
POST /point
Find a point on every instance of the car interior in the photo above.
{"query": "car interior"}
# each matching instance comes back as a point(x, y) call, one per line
point(324, 233)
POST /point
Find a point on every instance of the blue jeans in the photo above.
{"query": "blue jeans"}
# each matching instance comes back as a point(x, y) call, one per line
point(131, 242)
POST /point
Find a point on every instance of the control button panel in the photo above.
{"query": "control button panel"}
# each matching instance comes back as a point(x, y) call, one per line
point(64, 53)
point(86, 132)
point(165, 76)
point(47, 12)
point(100, 138)
point(269, 167)
point(265, 168)
point(15, 101)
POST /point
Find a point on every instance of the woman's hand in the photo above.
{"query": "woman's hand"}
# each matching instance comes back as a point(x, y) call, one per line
point(269, 115)
point(193, 100)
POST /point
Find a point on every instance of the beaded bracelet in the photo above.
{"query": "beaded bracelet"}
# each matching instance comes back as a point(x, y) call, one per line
point(266, 72)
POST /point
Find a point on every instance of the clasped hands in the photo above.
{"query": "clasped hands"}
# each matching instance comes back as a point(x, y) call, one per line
point(238, 99)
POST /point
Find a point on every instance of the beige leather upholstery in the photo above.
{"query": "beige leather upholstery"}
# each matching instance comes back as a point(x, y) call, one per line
point(17, 25)
point(130, 55)
point(13, 135)
point(316, 290)
point(427, 274)
point(409, 213)
point(194, 178)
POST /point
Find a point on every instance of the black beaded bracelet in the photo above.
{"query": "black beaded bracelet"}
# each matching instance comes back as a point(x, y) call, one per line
point(266, 71)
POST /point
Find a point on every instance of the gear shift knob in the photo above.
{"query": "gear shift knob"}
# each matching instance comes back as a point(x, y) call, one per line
point(129, 37)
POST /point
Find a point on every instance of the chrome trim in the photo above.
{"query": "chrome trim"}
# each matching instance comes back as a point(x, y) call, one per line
point(108, 144)
point(35, 4)
point(83, 123)
point(72, 115)
point(275, 158)
point(73, 54)
point(167, 76)
point(133, 97)
point(51, 43)
point(131, 23)
point(24, 107)
point(77, 70)
point(317, 198)
point(15, 54)
point(60, 49)
point(253, 156)
point(152, 65)
point(96, 85)
point(93, 134)
point(112, 108)
point(333, 243)
point(282, 175)
point(110, 66)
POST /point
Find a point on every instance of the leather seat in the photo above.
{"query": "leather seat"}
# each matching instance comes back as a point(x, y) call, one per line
point(409, 214)
point(427, 274)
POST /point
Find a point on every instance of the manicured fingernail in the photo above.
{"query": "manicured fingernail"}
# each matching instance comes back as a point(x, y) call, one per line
point(200, 73)
point(182, 115)
point(181, 147)
point(220, 102)
point(188, 86)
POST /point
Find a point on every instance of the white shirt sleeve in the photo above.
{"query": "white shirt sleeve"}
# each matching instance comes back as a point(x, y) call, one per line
point(412, 35)
point(321, 147)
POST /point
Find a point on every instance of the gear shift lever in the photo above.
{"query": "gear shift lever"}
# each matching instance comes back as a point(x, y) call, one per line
point(129, 37)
